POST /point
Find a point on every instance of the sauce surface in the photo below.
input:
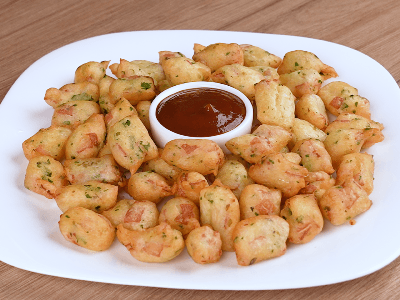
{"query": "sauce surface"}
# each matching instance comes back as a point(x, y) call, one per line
point(201, 112)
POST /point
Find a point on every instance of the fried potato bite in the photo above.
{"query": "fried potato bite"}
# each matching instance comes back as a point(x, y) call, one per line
point(180, 70)
point(265, 140)
point(93, 195)
point(314, 156)
point(340, 97)
point(311, 108)
point(303, 130)
point(275, 104)
point(83, 91)
point(87, 139)
point(137, 89)
point(317, 183)
point(91, 71)
point(239, 77)
point(260, 238)
point(44, 175)
point(189, 185)
point(304, 218)
point(130, 143)
point(130, 69)
point(257, 199)
point(350, 133)
point(122, 109)
point(299, 60)
point(198, 155)
point(159, 166)
point(141, 215)
point(143, 108)
point(116, 214)
point(181, 213)
point(105, 101)
point(47, 141)
point(157, 244)
point(234, 175)
point(204, 245)
point(71, 114)
point(220, 209)
point(102, 169)
point(278, 172)
point(360, 167)
point(148, 186)
point(87, 229)
point(255, 56)
point(218, 55)
point(342, 203)
point(302, 82)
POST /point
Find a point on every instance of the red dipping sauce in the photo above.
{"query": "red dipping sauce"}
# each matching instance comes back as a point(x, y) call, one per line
point(201, 112)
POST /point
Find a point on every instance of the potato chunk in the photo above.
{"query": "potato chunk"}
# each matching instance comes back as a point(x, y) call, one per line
point(44, 175)
point(137, 89)
point(73, 113)
point(87, 229)
point(275, 104)
point(141, 215)
point(255, 56)
point(198, 155)
point(276, 171)
point(218, 55)
point(234, 175)
point(239, 77)
point(304, 218)
point(159, 166)
point(257, 199)
point(302, 82)
point(265, 140)
point(47, 141)
point(342, 203)
point(93, 195)
point(260, 238)
point(340, 97)
point(204, 245)
point(91, 71)
point(158, 244)
point(148, 186)
point(130, 143)
point(220, 209)
point(360, 167)
point(311, 108)
point(181, 213)
point(350, 133)
point(83, 91)
point(302, 60)
point(314, 156)
point(103, 169)
point(189, 185)
point(131, 69)
point(87, 139)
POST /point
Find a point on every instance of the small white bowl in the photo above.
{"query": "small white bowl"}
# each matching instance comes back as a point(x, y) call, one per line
point(163, 135)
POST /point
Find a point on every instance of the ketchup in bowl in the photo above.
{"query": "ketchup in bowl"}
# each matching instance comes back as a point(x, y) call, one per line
point(201, 112)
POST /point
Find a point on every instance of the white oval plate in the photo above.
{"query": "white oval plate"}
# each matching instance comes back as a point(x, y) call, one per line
point(29, 223)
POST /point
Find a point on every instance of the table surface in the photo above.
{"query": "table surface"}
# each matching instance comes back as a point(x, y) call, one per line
point(31, 29)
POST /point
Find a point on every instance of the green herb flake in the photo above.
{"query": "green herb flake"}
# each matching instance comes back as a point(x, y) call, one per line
point(145, 85)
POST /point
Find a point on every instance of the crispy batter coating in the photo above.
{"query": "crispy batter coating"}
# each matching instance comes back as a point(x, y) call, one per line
point(93, 195)
point(218, 55)
point(181, 213)
point(260, 238)
point(204, 245)
point(220, 209)
point(87, 229)
point(44, 175)
point(157, 244)
point(304, 218)
point(257, 199)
